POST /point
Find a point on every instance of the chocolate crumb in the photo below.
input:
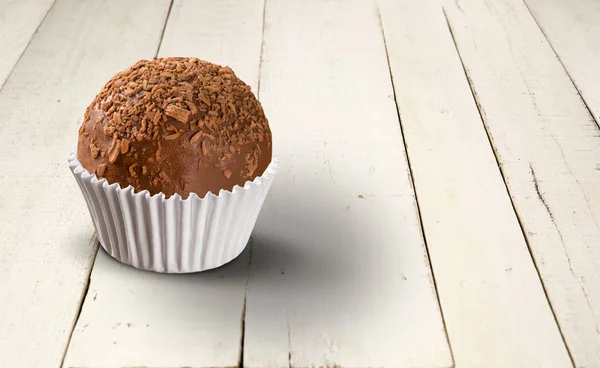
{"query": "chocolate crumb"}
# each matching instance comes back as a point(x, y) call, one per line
point(132, 170)
point(124, 146)
point(94, 150)
point(177, 113)
point(109, 130)
point(204, 149)
point(114, 150)
point(172, 136)
point(101, 170)
point(195, 137)
point(192, 107)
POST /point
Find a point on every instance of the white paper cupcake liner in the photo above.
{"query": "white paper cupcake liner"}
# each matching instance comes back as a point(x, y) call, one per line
point(172, 235)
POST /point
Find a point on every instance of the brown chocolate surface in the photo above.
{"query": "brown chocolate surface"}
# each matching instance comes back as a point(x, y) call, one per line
point(175, 125)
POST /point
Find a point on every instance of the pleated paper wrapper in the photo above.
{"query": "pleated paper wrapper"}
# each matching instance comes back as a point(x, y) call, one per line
point(173, 235)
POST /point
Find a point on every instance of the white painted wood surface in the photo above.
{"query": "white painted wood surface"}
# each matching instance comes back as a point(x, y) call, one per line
point(549, 149)
point(45, 230)
point(177, 320)
point(223, 32)
point(19, 19)
point(494, 305)
point(134, 318)
point(573, 29)
point(339, 274)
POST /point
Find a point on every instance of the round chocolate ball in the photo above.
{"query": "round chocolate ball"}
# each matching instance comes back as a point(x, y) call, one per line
point(175, 126)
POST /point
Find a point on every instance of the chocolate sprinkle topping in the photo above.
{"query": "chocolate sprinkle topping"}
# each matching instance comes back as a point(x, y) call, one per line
point(175, 125)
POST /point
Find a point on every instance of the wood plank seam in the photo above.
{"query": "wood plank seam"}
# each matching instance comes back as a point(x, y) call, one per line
point(217, 325)
point(3, 83)
point(84, 292)
point(262, 48)
point(493, 146)
point(289, 336)
point(243, 319)
point(560, 234)
point(250, 243)
point(576, 180)
point(563, 66)
point(243, 326)
point(324, 336)
point(94, 240)
point(412, 183)
point(162, 33)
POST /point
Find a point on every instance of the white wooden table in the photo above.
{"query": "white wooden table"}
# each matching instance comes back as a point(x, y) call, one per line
point(438, 203)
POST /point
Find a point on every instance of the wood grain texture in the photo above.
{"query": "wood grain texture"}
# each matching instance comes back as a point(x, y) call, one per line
point(45, 229)
point(223, 32)
point(573, 29)
point(549, 149)
point(493, 303)
point(135, 318)
point(339, 271)
point(19, 20)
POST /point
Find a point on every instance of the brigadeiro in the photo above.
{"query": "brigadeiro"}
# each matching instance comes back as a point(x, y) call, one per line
point(174, 159)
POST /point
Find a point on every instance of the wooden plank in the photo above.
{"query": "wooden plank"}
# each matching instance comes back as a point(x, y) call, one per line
point(493, 302)
point(339, 271)
point(176, 320)
point(19, 20)
point(45, 229)
point(573, 29)
point(223, 32)
point(549, 149)
point(134, 318)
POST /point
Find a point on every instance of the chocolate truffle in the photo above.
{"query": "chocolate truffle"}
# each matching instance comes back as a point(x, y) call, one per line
point(175, 125)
